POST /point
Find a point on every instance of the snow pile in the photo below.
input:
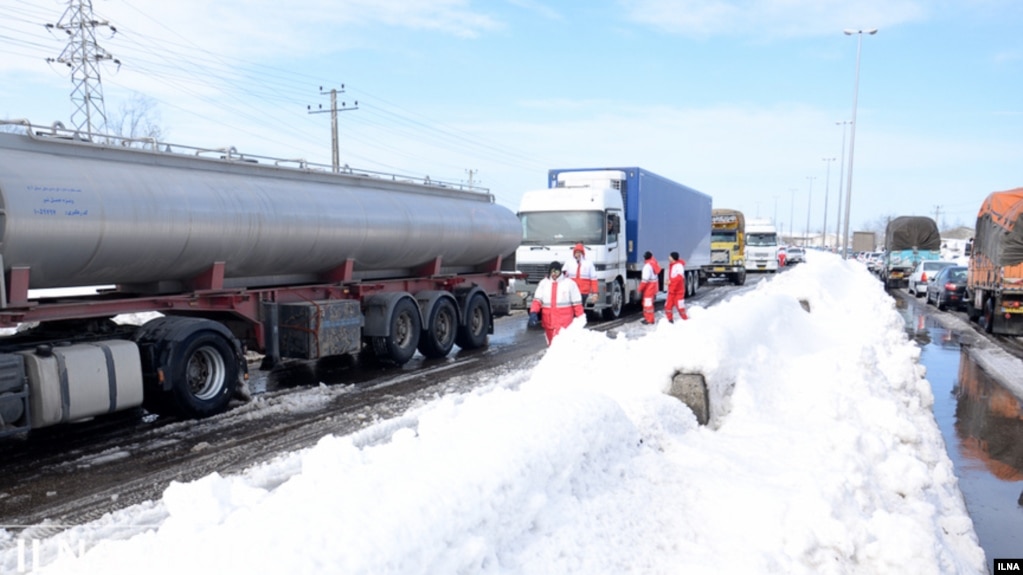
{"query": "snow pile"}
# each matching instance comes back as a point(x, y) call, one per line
point(821, 456)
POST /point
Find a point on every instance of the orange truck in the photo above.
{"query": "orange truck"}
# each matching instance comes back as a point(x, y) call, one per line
point(994, 286)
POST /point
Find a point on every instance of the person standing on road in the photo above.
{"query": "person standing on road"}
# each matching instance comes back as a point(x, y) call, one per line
point(676, 288)
point(583, 273)
point(649, 286)
point(556, 302)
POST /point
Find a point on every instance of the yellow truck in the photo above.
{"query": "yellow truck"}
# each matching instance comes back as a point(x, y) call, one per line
point(727, 246)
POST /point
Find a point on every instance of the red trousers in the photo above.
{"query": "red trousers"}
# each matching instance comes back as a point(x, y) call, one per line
point(675, 302)
point(648, 291)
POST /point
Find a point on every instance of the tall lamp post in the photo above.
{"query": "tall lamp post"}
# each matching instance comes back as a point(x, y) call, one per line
point(827, 184)
point(852, 136)
point(809, 199)
point(792, 214)
point(841, 176)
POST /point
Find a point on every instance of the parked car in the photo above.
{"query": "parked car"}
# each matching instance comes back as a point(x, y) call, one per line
point(795, 256)
point(948, 288)
point(924, 271)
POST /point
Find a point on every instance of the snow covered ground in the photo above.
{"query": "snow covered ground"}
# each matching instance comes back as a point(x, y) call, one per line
point(822, 456)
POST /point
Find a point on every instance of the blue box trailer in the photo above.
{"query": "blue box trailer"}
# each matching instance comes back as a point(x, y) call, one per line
point(661, 216)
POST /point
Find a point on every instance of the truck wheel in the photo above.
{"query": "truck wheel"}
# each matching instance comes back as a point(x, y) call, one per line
point(614, 308)
point(989, 315)
point(739, 278)
point(473, 335)
point(438, 335)
point(971, 312)
point(203, 375)
point(406, 325)
point(191, 368)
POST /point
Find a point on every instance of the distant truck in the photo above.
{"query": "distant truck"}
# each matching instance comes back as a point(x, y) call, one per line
point(994, 285)
point(727, 246)
point(761, 246)
point(864, 242)
point(908, 241)
point(617, 214)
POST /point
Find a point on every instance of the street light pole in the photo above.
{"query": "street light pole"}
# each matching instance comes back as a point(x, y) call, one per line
point(809, 199)
point(792, 214)
point(852, 135)
point(841, 176)
point(827, 184)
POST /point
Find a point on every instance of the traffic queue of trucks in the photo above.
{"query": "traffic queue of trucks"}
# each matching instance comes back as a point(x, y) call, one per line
point(239, 253)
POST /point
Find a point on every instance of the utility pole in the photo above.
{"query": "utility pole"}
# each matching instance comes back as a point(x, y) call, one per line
point(937, 216)
point(83, 55)
point(809, 200)
point(471, 174)
point(792, 213)
point(827, 184)
point(335, 155)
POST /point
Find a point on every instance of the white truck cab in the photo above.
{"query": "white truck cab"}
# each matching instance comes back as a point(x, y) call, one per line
point(761, 246)
point(586, 208)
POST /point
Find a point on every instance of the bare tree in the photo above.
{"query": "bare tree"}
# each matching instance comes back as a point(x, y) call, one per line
point(137, 118)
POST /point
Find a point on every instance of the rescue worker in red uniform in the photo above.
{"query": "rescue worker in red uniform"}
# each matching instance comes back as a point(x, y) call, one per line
point(649, 286)
point(557, 301)
point(676, 288)
point(583, 273)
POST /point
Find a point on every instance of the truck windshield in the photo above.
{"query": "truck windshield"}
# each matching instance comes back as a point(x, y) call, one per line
point(722, 236)
point(562, 228)
point(761, 239)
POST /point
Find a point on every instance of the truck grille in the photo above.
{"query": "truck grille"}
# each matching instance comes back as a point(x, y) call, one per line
point(534, 272)
point(719, 257)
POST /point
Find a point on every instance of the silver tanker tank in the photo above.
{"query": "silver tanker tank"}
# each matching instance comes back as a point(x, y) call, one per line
point(78, 213)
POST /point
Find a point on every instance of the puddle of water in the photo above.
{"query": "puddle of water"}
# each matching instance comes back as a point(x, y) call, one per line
point(982, 425)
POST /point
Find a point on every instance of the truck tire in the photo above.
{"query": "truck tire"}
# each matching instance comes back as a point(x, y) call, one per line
point(989, 314)
point(405, 328)
point(739, 278)
point(439, 333)
point(615, 303)
point(971, 312)
point(473, 333)
point(203, 375)
point(190, 366)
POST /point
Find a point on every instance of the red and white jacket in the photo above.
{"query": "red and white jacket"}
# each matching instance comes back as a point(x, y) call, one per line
point(648, 278)
point(583, 272)
point(677, 279)
point(560, 301)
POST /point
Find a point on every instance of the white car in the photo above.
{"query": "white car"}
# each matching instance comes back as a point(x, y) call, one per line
point(925, 270)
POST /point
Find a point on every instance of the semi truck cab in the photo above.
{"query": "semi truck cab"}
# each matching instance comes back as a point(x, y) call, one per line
point(761, 246)
point(583, 207)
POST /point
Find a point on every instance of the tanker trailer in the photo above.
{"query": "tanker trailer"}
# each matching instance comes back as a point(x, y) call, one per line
point(237, 252)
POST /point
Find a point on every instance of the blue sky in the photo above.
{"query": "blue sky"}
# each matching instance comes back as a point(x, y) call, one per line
point(736, 98)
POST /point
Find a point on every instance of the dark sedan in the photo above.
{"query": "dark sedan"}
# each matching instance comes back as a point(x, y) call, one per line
point(947, 289)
